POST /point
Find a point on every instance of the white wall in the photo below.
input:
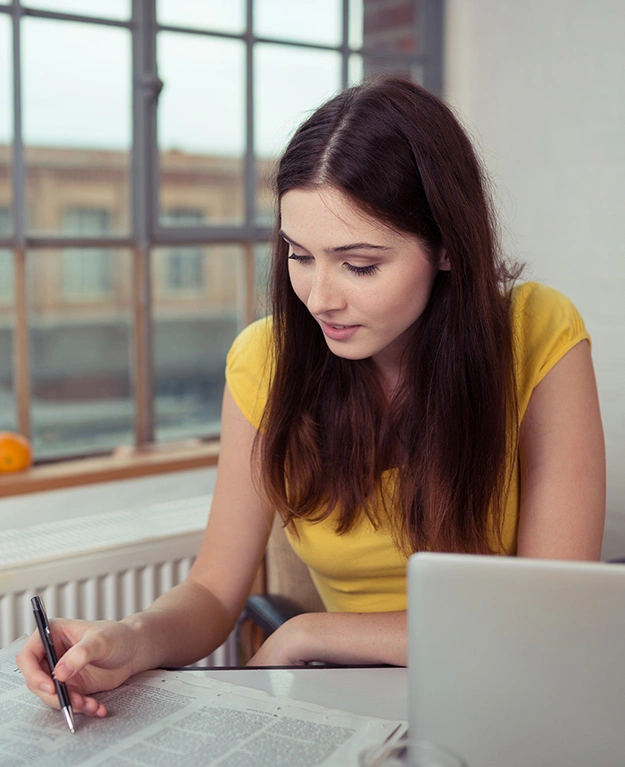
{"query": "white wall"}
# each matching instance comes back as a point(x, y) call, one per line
point(540, 84)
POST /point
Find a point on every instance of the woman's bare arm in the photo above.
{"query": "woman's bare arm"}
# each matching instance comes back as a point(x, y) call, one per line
point(189, 621)
point(562, 457)
point(197, 616)
point(343, 638)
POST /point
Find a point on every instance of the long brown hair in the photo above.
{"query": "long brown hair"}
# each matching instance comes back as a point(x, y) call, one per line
point(328, 433)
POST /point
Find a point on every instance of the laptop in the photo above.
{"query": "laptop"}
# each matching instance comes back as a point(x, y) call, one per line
point(518, 662)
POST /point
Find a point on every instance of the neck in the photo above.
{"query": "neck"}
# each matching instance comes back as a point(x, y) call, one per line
point(389, 377)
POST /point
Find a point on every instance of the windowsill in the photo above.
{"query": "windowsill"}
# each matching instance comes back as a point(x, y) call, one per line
point(124, 463)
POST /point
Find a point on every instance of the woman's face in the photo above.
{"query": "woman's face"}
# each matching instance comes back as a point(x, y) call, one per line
point(365, 284)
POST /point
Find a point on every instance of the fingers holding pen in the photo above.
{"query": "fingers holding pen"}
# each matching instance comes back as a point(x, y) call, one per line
point(99, 652)
point(93, 657)
point(32, 662)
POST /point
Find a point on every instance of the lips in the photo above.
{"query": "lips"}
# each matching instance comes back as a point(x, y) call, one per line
point(337, 332)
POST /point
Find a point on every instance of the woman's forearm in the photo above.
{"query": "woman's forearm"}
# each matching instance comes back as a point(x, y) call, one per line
point(180, 627)
point(343, 638)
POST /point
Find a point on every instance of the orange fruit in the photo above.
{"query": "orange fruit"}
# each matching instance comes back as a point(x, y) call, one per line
point(16, 453)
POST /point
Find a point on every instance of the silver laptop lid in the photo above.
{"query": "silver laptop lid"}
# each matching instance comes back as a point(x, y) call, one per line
point(518, 662)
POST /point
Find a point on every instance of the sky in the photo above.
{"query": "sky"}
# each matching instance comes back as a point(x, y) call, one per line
point(76, 77)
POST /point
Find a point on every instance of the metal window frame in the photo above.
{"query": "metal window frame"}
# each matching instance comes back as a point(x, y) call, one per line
point(146, 231)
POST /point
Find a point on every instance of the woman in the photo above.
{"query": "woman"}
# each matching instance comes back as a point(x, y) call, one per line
point(403, 396)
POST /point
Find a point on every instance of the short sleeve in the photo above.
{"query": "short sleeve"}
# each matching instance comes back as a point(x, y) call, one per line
point(248, 369)
point(546, 325)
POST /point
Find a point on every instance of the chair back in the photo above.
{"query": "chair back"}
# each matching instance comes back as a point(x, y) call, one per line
point(286, 574)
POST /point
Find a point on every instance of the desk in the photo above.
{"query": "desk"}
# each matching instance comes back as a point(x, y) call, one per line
point(379, 692)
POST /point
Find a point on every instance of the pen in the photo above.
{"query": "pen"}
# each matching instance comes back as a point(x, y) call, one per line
point(46, 637)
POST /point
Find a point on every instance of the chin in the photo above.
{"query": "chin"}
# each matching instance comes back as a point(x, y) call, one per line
point(348, 354)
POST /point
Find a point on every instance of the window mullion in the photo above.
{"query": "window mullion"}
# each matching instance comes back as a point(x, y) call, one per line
point(345, 44)
point(21, 368)
point(247, 278)
point(250, 162)
point(21, 356)
point(144, 190)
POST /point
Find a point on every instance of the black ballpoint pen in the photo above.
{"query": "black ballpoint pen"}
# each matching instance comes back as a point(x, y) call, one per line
point(46, 637)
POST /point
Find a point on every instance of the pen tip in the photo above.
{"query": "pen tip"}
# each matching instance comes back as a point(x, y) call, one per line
point(69, 718)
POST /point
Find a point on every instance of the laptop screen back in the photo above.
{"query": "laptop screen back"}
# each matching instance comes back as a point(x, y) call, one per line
point(518, 662)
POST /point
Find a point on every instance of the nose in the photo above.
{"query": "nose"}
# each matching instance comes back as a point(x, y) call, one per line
point(325, 292)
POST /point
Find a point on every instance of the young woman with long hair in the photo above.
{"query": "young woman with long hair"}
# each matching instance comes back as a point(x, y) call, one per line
point(404, 394)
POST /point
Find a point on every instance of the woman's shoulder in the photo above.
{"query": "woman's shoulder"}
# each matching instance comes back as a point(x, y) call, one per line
point(545, 325)
point(537, 297)
point(540, 311)
point(254, 338)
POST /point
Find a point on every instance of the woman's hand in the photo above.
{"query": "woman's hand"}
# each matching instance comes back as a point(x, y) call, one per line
point(342, 638)
point(93, 656)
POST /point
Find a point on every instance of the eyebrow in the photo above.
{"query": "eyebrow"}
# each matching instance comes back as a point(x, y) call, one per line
point(339, 248)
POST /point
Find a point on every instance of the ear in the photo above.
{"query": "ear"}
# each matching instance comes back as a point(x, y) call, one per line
point(443, 261)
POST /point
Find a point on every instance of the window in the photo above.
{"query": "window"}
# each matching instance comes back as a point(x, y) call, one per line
point(183, 267)
point(135, 204)
point(86, 274)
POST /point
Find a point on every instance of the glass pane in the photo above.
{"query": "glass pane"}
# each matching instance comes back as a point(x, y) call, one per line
point(6, 125)
point(201, 127)
point(79, 350)
point(217, 15)
point(8, 415)
point(355, 23)
point(318, 22)
point(196, 317)
point(354, 69)
point(77, 123)
point(307, 78)
point(111, 9)
point(86, 275)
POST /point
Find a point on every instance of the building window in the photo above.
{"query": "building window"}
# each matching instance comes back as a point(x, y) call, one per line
point(86, 272)
point(182, 269)
point(85, 221)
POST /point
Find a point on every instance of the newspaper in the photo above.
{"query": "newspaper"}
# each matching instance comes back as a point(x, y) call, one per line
point(178, 718)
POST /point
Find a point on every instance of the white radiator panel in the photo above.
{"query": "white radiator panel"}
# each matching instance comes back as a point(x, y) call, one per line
point(101, 567)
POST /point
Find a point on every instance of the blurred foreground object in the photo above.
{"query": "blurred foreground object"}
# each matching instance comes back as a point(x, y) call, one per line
point(15, 452)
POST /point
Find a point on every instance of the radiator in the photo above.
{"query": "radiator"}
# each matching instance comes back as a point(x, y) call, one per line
point(107, 565)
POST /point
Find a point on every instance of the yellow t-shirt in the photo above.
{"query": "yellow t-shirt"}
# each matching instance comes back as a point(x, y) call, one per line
point(362, 570)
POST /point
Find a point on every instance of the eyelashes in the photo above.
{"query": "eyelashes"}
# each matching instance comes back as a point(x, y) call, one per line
point(359, 270)
point(363, 270)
